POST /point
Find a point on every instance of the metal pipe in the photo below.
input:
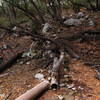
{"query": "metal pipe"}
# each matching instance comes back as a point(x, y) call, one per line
point(34, 92)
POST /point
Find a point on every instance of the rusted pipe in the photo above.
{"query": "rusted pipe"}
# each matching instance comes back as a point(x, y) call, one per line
point(34, 92)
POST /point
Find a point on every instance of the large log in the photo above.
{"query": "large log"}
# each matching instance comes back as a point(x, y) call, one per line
point(34, 92)
point(10, 62)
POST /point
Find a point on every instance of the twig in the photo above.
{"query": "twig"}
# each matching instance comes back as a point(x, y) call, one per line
point(3, 75)
point(8, 95)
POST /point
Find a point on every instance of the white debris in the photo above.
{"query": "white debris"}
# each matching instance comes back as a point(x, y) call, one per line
point(82, 19)
point(62, 85)
point(72, 22)
point(80, 88)
point(4, 46)
point(65, 76)
point(80, 15)
point(70, 86)
point(49, 78)
point(46, 28)
point(39, 76)
point(60, 97)
point(87, 17)
point(78, 64)
point(14, 28)
point(28, 63)
point(29, 54)
point(91, 23)
point(74, 88)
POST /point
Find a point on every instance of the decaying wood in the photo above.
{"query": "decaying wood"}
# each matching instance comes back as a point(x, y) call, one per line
point(58, 44)
point(10, 62)
point(2, 75)
point(57, 64)
point(34, 92)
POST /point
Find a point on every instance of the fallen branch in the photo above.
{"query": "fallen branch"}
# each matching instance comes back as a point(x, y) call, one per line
point(2, 75)
point(34, 92)
point(8, 95)
point(37, 37)
point(56, 71)
point(10, 62)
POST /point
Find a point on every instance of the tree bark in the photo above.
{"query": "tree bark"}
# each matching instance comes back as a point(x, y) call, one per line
point(98, 4)
point(56, 70)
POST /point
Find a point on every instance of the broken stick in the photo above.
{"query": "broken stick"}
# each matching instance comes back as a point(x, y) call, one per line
point(56, 70)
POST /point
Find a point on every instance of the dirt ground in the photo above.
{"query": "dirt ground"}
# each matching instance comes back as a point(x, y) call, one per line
point(80, 85)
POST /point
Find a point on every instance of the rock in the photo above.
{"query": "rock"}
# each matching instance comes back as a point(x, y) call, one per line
point(14, 28)
point(60, 97)
point(91, 23)
point(69, 97)
point(28, 63)
point(21, 62)
point(72, 22)
point(29, 54)
point(70, 86)
point(78, 64)
point(66, 76)
point(80, 15)
point(39, 76)
point(49, 78)
point(82, 19)
point(62, 85)
point(5, 46)
point(74, 88)
point(87, 17)
point(80, 88)
point(46, 28)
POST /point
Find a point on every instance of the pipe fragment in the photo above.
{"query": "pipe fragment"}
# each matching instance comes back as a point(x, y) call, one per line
point(34, 92)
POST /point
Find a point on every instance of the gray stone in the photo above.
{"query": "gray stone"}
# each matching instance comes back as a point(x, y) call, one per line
point(80, 15)
point(39, 76)
point(72, 22)
point(91, 23)
point(62, 85)
point(46, 28)
point(70, 86)
point(60, 97)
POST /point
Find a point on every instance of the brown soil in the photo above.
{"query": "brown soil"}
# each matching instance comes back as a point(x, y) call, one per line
point(20, 77)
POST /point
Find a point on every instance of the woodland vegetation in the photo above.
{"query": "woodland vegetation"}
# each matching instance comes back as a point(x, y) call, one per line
point(50, 35)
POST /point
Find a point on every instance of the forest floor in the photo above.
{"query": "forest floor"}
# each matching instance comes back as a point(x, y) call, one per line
point(81, 84)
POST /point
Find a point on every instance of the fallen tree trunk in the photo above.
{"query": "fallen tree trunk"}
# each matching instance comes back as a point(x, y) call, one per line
point(57, 71)
point(10, 62)
point(34, 92)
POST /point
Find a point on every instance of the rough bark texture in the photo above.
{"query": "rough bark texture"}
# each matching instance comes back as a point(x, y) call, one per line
point(10, 62)
point(98, 4)
point(56, 71)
